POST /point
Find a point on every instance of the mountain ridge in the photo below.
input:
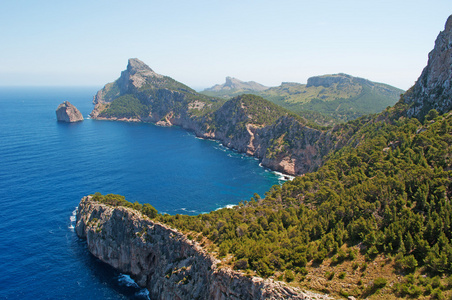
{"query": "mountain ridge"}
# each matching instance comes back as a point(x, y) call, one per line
point(325, 99)
point(233, 87)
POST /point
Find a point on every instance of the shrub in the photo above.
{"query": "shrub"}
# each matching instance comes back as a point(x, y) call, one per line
point(149, 210)
point(408, 263)
point(379, 283)
point(241, 264)
point(329, 275)
point(288, 274)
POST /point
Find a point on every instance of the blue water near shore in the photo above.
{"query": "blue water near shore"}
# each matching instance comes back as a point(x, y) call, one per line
point(46, 167)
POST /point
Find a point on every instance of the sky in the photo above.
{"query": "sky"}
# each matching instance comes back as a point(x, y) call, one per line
point(199, 43)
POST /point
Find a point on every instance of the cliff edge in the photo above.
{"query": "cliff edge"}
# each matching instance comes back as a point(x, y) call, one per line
point(166, 262)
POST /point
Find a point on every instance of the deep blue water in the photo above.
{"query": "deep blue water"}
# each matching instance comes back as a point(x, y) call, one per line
point(46, 167)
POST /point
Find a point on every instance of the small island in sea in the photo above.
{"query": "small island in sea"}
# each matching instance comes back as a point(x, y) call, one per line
point(66, 112)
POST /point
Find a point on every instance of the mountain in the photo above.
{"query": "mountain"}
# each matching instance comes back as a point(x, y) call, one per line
point(250, 124)
point(433, 89)
point(141, 94)
point(233, 87)
point(372, 221)
point(327, 99)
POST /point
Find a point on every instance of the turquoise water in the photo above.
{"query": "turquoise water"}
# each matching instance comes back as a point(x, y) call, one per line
point(46, 167)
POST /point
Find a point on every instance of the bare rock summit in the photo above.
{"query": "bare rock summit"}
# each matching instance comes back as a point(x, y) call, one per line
point(433, 89)
point(66, 112)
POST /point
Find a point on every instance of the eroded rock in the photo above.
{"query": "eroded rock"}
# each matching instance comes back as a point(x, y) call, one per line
point(66, 112)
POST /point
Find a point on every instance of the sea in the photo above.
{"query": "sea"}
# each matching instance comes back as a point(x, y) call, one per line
point(46, 167)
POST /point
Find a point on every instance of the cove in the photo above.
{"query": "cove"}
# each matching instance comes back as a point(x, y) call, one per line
point(46, 167)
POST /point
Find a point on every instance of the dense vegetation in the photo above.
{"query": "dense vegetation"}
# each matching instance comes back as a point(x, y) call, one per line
point(250, 109)
point(126, 106)
point(118, 200)
point(388, 192)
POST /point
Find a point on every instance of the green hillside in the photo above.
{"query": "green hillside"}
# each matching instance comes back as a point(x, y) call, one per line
point(380, 210)
point(328, 99)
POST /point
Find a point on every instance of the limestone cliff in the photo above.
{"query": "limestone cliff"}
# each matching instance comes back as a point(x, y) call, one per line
point(433, 89)
point(246, 123)
point(66, 112)
point(166, 262)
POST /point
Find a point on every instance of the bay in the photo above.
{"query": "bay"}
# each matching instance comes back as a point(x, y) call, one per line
point(46, 167)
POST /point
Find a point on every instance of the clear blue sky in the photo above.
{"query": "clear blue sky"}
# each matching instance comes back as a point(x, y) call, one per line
point(201, 42)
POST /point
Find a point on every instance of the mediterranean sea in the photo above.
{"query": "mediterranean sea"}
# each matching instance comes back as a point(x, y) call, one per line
point(46, 167)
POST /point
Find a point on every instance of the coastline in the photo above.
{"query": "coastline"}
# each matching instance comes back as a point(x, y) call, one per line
point(165, 261)
point(283, 176)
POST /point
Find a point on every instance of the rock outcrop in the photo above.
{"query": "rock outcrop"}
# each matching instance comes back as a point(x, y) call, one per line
point(166, 262)
point(433, 89)
point(66, 112)
point(234, 86)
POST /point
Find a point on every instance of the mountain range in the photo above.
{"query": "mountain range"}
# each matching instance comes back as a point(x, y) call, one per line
point(324, 100)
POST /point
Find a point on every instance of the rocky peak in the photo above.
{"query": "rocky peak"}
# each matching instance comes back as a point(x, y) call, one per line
point(66, 112)
point(236, 84)
point(135, 76)
point(433, 89)
point(136, 66)
point(230, 81)
point(448, 26)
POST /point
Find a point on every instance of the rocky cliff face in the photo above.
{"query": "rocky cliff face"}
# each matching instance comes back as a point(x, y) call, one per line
point(164, 261)
point(433, 89)
point(246, 128)
point(66, 112)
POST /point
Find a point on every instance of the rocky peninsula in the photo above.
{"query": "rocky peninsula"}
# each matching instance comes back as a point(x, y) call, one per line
point(66, 112)
point(165, 261)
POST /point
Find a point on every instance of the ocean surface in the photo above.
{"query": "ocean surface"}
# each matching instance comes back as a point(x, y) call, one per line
point(46, 167)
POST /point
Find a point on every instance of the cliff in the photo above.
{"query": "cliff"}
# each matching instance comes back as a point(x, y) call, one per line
point(66, 112)
point(166, 262)
point(433, 89)
point(247, 123)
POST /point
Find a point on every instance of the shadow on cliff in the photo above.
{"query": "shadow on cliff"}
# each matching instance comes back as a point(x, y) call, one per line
point(107, 275)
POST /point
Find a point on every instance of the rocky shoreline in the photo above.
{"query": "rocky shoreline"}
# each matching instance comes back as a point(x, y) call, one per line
point(285, 144)
point(165, 261)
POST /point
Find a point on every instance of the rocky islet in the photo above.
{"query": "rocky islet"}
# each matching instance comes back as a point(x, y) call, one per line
point(66, 112)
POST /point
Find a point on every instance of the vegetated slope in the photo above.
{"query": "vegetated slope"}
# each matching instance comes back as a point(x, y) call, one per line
point(233, 87)
point(329, 99)
point(378, 207)
point(389, 195)
point(142, 94)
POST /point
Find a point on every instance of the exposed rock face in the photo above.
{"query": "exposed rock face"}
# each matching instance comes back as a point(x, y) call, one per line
point(433, 89)
point(164, 261)
point(234, 84)
point(172, 103)
point(66, 112)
